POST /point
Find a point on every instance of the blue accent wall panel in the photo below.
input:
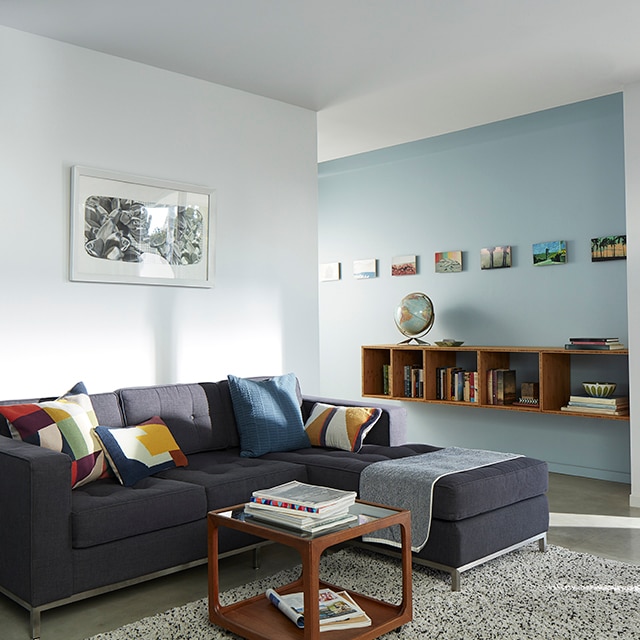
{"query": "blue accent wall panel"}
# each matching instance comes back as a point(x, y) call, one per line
point(551, 175)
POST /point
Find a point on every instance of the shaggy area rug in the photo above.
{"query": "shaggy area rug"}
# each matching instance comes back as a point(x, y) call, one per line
point(525, 595)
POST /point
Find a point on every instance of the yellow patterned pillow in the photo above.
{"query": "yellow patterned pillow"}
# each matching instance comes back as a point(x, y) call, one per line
point(137, 452)
point(340, 427)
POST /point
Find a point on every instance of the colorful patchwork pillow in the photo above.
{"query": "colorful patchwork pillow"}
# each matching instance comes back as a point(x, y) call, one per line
point(64, 425)
point(340, 427)
point(137, 452)
point(268, 415)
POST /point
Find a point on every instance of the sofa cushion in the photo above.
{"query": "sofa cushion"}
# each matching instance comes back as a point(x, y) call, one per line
point(138, 452)
point(105, 511)
point(230, 479)
point(267, 414)
point(340, 427)
point(337, 468)
point(183, 408)
point(65, 425)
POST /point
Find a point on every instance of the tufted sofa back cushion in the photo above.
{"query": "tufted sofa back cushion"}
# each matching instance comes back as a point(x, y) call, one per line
point(183, 407)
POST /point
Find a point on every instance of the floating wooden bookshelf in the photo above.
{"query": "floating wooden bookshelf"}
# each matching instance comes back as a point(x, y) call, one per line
point(552, 365)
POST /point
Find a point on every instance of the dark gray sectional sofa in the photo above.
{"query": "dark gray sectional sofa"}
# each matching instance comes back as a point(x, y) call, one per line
point(59, 545)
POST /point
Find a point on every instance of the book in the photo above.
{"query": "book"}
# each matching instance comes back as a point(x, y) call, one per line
point(594, 340)
point(386, 389)
point(304, 497)
point(596, 410)
point(611, 401)
point(302, 525)
point(334, 608)
point(362, 620)
point(610, 346)
point(298, 514)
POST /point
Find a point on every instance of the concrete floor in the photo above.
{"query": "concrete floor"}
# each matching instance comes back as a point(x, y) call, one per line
point(586, 515)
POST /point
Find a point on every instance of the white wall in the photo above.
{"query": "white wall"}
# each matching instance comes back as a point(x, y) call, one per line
point(632, 169)
point(60, 106)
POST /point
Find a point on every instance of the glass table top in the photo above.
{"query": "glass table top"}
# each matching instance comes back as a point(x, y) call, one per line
point(362, 513)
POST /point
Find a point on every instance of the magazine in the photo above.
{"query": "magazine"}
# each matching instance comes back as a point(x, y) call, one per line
point(305, 497)
point(335, 609)
point(301, 525)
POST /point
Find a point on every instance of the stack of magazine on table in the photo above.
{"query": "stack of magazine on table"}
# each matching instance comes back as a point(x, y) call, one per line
point(304, 507)
point(337, 610)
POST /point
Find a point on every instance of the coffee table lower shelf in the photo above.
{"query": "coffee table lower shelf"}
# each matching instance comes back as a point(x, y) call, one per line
point(241, 617)
point(256, 618)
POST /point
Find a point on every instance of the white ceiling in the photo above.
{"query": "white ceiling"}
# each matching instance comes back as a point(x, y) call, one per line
point(378, 72)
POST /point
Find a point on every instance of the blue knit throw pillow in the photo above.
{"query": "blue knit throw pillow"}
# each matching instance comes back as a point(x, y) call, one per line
point(268, 415)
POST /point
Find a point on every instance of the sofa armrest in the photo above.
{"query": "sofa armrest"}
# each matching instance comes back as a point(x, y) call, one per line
point(35, 527)
point(390, 430)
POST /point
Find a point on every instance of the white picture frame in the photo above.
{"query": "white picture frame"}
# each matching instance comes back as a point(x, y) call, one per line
point(138, 230)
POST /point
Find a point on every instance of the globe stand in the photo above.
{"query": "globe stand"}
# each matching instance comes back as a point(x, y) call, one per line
point(417, 341)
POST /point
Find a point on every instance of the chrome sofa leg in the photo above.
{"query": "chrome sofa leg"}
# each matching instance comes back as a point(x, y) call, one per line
point(542, 543)
point(256, 558)
point(456, 580)
point(34, 615)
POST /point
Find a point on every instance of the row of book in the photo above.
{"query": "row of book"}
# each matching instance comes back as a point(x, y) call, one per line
point(305, 508)
point(613, 406)
point(594, 344)
point(338, 610)
point(501, 386)
point(456, 384)
point(413, 381)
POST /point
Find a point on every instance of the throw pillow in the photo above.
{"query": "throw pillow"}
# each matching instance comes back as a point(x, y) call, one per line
point(137, 452)
point(267, 414)
point(340, 427)
point(64, 425)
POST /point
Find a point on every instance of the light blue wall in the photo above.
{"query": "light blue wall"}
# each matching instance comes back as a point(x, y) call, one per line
point(552, 175)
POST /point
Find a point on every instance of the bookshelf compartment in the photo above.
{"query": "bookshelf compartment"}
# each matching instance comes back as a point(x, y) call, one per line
point(557, 373)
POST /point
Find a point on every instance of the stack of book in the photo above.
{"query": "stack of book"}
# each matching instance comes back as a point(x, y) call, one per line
point(337, 610)
point(307, 508)
point(594, 344)
point(613, 406)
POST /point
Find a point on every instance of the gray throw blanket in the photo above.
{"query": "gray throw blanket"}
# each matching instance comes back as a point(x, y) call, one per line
point(408, 483)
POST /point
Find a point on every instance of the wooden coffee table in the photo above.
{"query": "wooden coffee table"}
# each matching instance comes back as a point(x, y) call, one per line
point(257, 619)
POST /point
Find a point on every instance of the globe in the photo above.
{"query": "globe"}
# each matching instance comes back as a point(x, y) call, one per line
point(414, 316)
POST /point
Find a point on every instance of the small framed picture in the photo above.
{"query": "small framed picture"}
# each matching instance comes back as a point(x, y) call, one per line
point(549, 253)
point(329, 271)
point(495, 257)
point(365, 269)
point(404, 266)
point(448, 261)
point(608, 248)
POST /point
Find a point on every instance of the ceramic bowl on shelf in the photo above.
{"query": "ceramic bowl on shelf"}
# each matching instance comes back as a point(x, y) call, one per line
point(599, 389)
point(449, 343)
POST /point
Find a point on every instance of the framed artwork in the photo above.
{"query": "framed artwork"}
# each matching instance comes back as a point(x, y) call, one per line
point(448, 261)
point(495, 257)
point(365, 269)
point(135, 230)
point(549, 253)
point(404, 266)
point(329, 271)
point(608, 248)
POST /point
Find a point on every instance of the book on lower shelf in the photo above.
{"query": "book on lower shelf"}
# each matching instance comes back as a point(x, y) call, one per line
point(337, 610)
